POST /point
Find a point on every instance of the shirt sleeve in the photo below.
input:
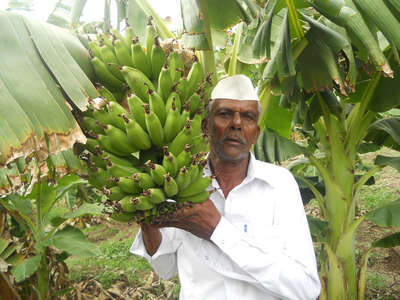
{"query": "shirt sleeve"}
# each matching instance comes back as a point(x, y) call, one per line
point(164, 261)
point(279, 259)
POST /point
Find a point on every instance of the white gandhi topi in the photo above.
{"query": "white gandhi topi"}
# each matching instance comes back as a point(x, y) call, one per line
point(238, 87)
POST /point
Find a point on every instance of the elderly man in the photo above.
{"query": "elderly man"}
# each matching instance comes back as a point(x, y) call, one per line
point(251, 239)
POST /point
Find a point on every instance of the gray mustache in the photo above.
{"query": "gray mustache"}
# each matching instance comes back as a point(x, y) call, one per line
point(234, 137)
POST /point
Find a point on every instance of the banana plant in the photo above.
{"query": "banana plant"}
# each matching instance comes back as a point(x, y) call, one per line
point(35, 231)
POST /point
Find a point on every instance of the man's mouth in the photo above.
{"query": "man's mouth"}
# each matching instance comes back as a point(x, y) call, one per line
point(234, 138)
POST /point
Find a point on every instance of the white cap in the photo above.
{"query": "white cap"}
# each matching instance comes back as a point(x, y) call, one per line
point(237, 87)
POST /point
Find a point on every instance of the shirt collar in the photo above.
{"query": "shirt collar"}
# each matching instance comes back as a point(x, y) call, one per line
point(254, 170)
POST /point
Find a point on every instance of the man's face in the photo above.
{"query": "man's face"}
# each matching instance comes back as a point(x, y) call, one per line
point(233, 128)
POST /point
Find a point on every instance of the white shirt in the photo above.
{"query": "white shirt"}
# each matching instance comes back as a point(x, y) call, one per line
point(263, 247)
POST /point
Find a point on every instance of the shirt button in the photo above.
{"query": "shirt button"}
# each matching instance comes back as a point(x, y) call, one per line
point(206, 257)
point(223, 242)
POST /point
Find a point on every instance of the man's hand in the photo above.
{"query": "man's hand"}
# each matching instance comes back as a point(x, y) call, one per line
point(200, 220)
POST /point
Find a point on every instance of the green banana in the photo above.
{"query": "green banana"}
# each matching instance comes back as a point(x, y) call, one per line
point(202, 104)
point(139, 58)
point(197, 198)
point(170, 186)
point(173, 98)
point(116, 109)
point(199, 142)
point(195, 76)
point(175, 62)
point(123, 216)
point(149, 38)
point(184, 158)
point(138, 136)
point(156, 195)
point(91, 144)
point(194, 101)
point(127, 204)
point(158, 58)
point(183, 86)
point(172, 123)
point(129, 33)
point(156, 104)
point(106, 145)
point(92, 179)
point(116, 34)
point(185, 114)
point(157, 171)
point(97, 161)
point(179, 142)
point(104, 75)
point(102, 116)
point(138, 82)
point(207, 86)
point(94, 47)
point(164, 82)
point(107, 95)
point(119, 139)
point(154, 127)
point(114, 170)
point(193, 169)
point(90, 124)
point(128, 185)
point(143, 181)
point(103, 39)
point(182, 178)
point(143, 203)
point(123, 53)
point(103, 178)
point(170, 162)
point(114, 193)
point(111, 59)
point(196, 186)
point(196, 122)
point(136, 107)
point(122, 161)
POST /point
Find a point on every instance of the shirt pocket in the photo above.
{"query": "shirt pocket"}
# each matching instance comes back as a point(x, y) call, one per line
point(268, 238)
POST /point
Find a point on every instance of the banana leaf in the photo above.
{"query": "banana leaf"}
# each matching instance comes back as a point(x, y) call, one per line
point(385, 132)
point(30, 90)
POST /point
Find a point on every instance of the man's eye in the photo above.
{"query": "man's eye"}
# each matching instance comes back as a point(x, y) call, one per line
point(248, 117)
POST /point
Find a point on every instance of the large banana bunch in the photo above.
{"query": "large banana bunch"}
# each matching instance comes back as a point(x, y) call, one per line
point(145, 147)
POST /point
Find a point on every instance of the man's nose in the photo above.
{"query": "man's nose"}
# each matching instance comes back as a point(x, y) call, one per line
point(237, 121)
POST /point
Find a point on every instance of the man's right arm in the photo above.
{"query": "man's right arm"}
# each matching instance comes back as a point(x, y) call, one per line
point(159, 247)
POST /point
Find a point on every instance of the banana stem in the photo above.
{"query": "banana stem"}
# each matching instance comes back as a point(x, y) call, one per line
point(207, 57)
point(43, 277)
point(233, 63)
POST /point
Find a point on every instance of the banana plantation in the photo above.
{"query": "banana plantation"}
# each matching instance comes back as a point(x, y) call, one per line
point(109, 117)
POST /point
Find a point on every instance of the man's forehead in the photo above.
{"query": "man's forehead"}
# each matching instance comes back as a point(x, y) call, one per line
point(235, 104)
